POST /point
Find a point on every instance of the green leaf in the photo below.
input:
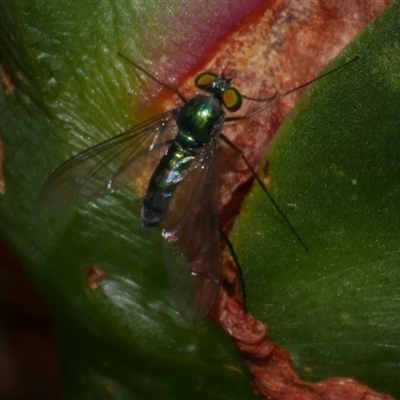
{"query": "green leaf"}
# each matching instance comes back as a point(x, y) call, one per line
point(334, 168)
point(124, 338)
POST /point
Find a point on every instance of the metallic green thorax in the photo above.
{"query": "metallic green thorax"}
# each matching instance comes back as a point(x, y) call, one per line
point(199, 122)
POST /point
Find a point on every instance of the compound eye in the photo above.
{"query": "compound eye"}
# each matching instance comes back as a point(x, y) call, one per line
point(204, 80)
point(232, 99)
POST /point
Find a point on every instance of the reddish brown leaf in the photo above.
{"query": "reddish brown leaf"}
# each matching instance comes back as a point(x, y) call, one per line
point(94, 276)
point(6, 78)
point(285, 45)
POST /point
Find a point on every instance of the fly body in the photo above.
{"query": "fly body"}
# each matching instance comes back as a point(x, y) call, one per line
point(183, 191)
point(199, 122)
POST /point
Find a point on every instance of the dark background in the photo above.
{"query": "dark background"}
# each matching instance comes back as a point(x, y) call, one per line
point(28, 360)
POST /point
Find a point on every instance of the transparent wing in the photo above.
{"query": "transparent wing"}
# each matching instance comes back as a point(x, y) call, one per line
point(192, 238)
point(108, 165)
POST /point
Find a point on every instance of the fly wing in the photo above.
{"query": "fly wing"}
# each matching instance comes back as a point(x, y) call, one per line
point(192, 238)
point(109, 165)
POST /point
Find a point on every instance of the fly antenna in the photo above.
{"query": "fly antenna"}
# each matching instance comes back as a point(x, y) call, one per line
point(164, 85)
point(275, 99)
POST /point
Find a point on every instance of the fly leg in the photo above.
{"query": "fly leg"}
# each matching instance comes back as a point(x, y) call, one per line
point(264, 188)
point(236, 260)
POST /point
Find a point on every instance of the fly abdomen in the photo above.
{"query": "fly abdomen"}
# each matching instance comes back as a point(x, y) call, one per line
point(171, 170)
